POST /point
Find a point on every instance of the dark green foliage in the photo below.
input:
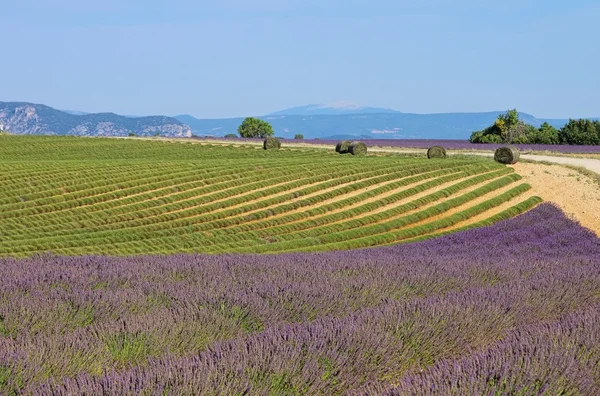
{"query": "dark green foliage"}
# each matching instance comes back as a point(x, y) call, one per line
point(231, 135)
point(491, 138)
point(508, 128)
point(131, 134)
point(357, 148)
point(299, 136)
point(254, 128)
point(271, 143)
point(436, 152)
point(581, 132)
point(342, 146)
point(507, 155)
point(545, 134)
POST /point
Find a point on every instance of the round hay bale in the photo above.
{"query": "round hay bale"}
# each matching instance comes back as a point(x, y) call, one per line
point(507, 155)
point(342, 146)
point(357, 148)
point(436, 152)
point(271, 143)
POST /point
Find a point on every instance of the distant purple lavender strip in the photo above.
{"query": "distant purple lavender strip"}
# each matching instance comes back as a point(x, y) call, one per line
point(455, 145)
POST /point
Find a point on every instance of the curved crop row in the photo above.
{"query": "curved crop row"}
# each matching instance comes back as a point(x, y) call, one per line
point(119, 196)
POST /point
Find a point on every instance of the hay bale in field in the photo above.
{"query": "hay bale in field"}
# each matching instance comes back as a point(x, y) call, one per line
point(436, 152)
point(271, 143)
point(357, 148)
point(507, 155)
point(342, 146)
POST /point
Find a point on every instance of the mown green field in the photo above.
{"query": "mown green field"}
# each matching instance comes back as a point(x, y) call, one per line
point(77, 196)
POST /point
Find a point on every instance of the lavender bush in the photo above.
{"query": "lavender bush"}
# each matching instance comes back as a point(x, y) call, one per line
point(421, 316)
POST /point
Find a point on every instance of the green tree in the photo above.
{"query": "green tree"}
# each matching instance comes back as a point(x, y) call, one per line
point(545, 134)
point(584, 132)
point(507, 128)
point(299, 136)
point(255, 128)
point(231, 135)
point(490, 139)
point(507, 124)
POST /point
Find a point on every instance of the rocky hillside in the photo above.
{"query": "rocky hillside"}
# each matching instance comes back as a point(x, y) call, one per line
point(28, 118)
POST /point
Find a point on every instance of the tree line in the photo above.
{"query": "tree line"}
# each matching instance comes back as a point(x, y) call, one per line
point(509, 128)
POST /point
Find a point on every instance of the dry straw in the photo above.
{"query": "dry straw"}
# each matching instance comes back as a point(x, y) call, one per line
point(436, 152)
point(271, 143)
point(342, 146)
point(357, 148)
point(507, 155)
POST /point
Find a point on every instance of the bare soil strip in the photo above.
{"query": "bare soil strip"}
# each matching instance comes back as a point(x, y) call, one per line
point(575, 193)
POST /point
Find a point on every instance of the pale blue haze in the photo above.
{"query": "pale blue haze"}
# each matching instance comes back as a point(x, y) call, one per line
point(256, 57)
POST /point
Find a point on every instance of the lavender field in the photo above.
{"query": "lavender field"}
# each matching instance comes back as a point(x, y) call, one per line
point(466, 145)
point(508, 309)
point(446, 143)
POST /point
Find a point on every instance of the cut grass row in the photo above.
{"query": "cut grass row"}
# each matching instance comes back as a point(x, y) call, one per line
point(157, 199)
point(201, 242)
point(85, 178)
point(134, 185)
point(242, 187)
point(211, 215)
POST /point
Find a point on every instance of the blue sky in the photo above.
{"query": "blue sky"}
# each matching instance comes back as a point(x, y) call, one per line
point(239, 58)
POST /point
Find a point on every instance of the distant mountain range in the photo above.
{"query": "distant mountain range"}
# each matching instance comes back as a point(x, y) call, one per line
point(337, 108)
point(340, 120)
point(29, 118)
point(355, 122)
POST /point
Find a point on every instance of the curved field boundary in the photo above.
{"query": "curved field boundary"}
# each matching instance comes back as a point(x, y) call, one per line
point(119, 197)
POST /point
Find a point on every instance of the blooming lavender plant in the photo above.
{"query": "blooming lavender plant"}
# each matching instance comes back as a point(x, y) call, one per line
point(320, 323)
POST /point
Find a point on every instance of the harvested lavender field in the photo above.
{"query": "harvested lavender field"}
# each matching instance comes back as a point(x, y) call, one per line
point(510, 308)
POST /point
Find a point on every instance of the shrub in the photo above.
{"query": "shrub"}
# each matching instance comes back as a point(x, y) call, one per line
point(254, 128)
point(271, 143)
point(357, 148)
point(231, 135)
point(299, 136)
point(507, 155)
point(436, 152)
point(342, 146)
point(581, 132)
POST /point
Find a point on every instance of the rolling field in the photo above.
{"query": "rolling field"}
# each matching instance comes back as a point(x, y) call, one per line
point(78, 196)
point(508, 309)
point(497, 294)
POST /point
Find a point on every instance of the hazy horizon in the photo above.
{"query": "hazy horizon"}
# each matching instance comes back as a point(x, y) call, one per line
point(235, 58)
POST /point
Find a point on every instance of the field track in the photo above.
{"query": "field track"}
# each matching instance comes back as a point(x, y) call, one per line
point(77, 196)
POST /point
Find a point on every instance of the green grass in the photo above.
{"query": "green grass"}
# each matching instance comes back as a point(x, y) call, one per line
point(77, 196)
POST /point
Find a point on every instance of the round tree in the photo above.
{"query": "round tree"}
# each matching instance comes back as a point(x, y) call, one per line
point(254, 128)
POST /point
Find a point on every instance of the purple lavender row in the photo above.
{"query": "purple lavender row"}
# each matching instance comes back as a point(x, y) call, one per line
point(456, 145)
point(77, 317)
point(331, 355)
point(559, 358)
